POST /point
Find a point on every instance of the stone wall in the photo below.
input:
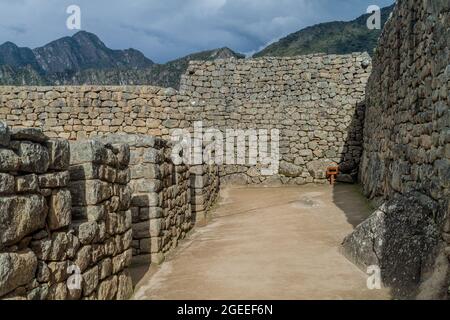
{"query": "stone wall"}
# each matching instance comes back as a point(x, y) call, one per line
point(205, 186)
point(41, 237)
point(160, 201)
point(313, 100)
point(407, 143)
point(99, 177)
point(78, 113)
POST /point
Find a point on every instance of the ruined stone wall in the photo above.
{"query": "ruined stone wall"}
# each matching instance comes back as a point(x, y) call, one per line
point(313, 100)
point(160, 201)
point(81, 112)
point(50, 221)
point(205, 186)
point(407, 124)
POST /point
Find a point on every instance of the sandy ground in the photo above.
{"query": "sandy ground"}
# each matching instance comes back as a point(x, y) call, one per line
point(267, 243)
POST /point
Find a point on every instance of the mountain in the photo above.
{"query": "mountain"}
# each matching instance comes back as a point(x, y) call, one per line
point(336, 37)
point(85, 59)
point(84, 51)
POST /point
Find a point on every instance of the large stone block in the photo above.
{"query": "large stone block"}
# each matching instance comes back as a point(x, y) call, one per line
point(9, 161)
point(399, 238)
point(20, 216)
point(88, 151)
point(54, 180)
point(28, 134)
point(6, 184)
point(5, 134)
point(60, 205)
point(34, 157)
point(90, 192)
point(59, 151)
point(16, 269)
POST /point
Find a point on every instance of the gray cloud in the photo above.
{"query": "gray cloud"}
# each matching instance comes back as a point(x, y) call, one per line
point(168, 29)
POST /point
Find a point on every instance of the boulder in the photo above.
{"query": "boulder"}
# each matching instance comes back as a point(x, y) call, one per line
point(318, 168)
point(400, 238)
point(289, 170)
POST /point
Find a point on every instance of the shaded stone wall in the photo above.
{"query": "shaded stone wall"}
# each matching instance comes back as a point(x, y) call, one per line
point(313, 100)
point(160, 201)
point(407, 138)
point(51, 219)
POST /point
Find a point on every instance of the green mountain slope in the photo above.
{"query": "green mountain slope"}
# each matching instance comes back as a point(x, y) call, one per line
point(332, 38)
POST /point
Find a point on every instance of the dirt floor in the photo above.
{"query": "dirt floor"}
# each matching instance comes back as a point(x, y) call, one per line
point(267, 243)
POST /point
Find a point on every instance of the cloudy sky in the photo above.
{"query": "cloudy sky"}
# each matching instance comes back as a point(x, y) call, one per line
point(167, 29)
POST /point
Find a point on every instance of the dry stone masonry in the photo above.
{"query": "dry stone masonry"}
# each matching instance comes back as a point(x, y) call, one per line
point(406, 158)
point(313, 100)
point(160, 200)
point(114, 191)
point(49, 222)
point(101, 199)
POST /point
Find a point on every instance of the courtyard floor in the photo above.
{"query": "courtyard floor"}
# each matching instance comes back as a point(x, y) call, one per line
point(266, 243)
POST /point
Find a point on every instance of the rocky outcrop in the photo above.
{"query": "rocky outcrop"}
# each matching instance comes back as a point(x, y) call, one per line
point(400, 238)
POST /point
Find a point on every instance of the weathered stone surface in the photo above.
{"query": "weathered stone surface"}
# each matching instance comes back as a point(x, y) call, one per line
point(16, 269)
point(9, 161)
point(399, 238)
point(28, 134)
point(20, 216)
point(54, 180)
point(87, 232)
point(125, 286)
point(107, 289)
point(59, 214)
point(90, 281)
point(318, 168)
point(6, 184)
point(87, 151)
point(59, 152)
point(5, 134)
point(89, 192)
point(289, 169)
point(28, 183)
point(34, 158)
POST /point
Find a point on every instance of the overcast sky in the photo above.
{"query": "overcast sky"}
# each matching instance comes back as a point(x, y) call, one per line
point(167, 29)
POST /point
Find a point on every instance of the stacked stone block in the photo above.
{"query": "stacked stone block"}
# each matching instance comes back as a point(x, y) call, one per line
point(160, 204)
point(102, 220)
point(407, 136)
point(35, 214)
point(314, 101)
point(205, 186)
